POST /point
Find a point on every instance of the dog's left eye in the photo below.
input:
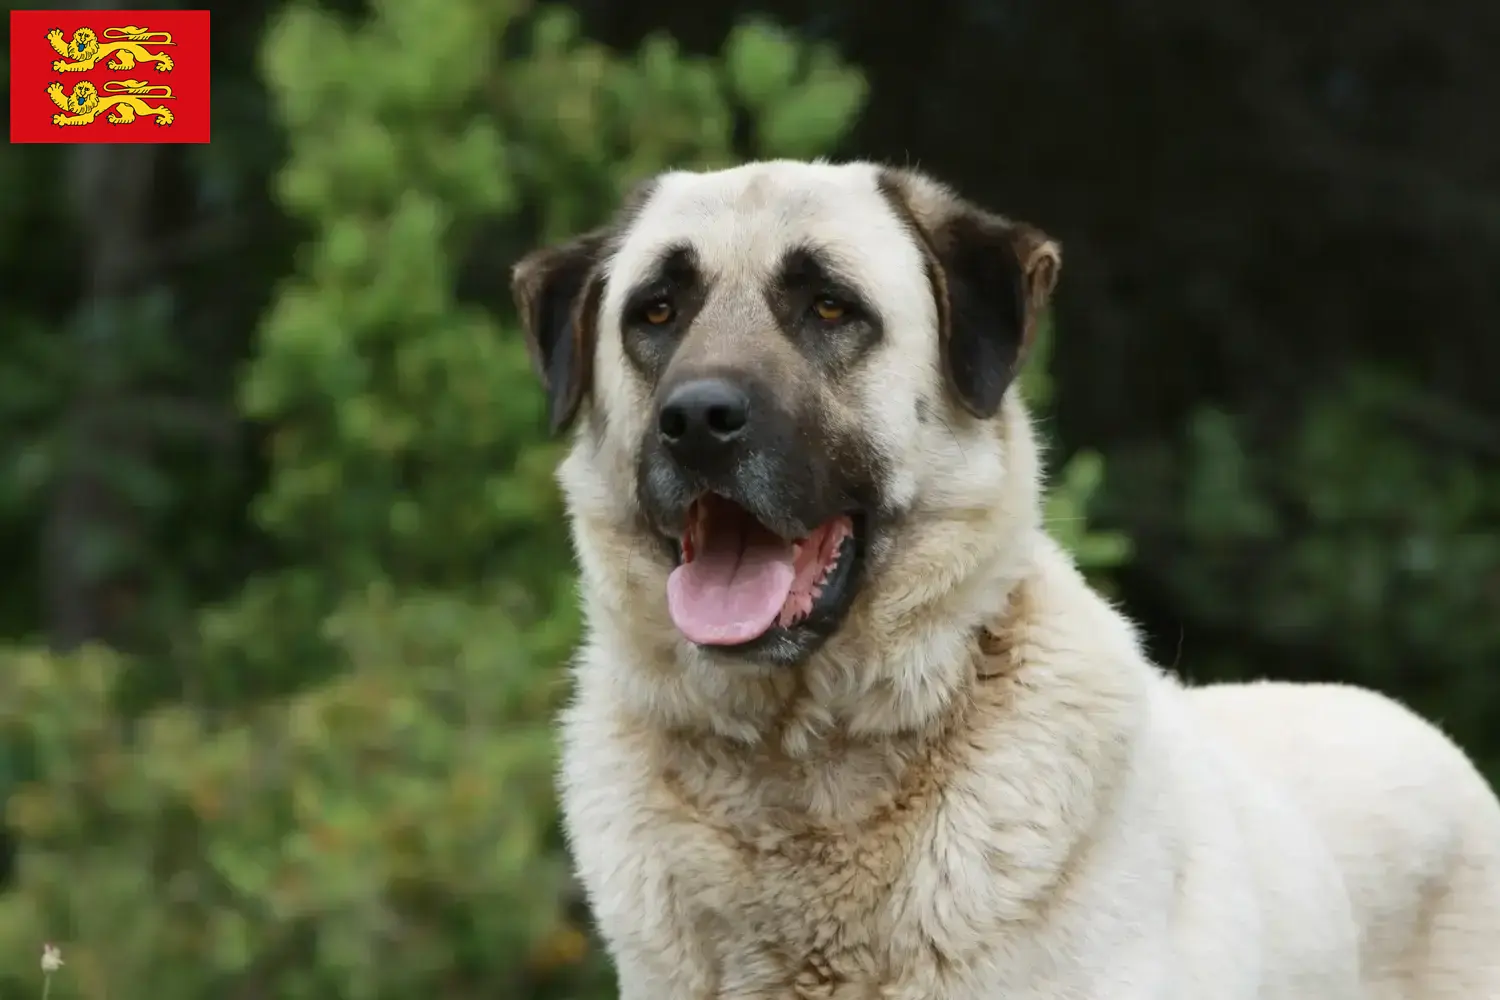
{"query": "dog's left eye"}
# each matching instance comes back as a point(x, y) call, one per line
point(658, 313)
point(830, 310)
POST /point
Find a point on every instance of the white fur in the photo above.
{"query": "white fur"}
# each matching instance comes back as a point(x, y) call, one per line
point(912, 815)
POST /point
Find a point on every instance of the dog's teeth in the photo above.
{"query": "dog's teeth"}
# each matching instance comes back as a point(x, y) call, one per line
point(837, 557)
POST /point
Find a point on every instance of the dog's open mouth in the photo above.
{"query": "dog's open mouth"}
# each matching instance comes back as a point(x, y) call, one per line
point(738, 580)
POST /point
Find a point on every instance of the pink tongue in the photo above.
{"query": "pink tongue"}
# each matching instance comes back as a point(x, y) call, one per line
point(734, 588)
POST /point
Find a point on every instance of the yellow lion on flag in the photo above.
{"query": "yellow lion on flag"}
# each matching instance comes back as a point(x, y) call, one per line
point(127, 97)
point(84, 51)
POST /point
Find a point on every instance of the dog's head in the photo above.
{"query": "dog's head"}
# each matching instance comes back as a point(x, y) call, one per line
point(793, 381)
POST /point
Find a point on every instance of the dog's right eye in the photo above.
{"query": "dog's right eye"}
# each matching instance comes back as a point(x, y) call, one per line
point(658, 313)
point(830, 310)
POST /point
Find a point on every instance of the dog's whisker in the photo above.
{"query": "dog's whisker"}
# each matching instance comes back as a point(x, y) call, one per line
point(953, 434)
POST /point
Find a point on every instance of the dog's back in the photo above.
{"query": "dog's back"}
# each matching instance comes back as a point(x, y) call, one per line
point(1415, 829)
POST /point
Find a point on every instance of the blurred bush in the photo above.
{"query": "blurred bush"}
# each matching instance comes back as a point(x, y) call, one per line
point(1358, 525)
point(1077, 487)
point(383, 834)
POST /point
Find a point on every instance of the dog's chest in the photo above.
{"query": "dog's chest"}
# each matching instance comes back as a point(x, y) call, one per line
point(802, 917)
point(784, 907)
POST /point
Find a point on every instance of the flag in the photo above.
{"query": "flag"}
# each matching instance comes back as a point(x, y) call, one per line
point(109, 76)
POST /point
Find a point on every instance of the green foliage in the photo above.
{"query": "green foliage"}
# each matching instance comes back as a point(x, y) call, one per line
point(1075, 488)
point(378, 836)
point(63, 423)
point(615, 122)
point(1355, 533)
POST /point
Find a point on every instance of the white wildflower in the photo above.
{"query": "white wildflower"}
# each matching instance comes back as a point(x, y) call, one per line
point(51, 958)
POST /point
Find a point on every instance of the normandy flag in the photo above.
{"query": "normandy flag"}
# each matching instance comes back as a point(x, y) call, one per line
point(109, 76)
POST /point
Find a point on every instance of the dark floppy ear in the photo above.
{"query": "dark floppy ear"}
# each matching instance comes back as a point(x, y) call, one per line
point(999, 276)
point(991, 278)
point(557, 291)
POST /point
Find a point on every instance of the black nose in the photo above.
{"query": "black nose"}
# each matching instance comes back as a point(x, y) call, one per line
point(700, 421)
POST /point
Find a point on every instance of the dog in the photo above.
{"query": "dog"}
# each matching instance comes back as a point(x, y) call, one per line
point(849, 725)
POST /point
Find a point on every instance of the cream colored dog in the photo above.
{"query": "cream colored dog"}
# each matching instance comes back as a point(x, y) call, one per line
point(850, 726)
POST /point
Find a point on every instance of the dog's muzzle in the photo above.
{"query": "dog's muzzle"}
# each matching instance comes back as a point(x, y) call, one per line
point(767, 544)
